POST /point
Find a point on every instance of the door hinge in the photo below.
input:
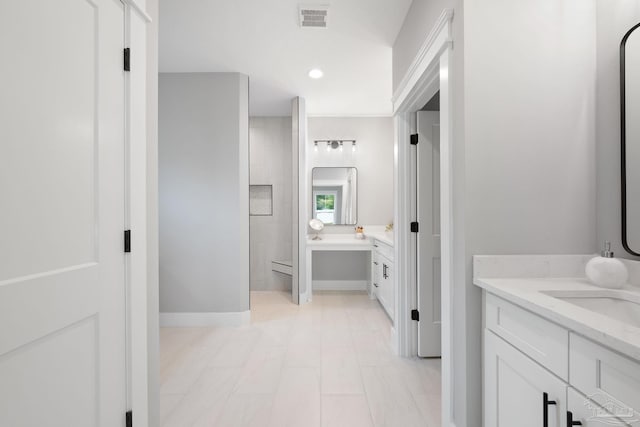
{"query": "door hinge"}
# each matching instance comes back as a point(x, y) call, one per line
point(127, 241)
point(127, 59)
point(414, 227)
point(415, 315)
point(414, 139)
point(129, 419)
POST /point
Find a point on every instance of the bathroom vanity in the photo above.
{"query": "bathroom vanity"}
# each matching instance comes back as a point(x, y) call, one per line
point(558, 351)
point(379, 245)
point(382, 276)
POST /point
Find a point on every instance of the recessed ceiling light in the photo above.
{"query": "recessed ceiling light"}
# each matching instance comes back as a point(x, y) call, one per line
point(316, 73)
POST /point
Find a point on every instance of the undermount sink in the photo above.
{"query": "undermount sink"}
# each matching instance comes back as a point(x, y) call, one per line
point(623, 306)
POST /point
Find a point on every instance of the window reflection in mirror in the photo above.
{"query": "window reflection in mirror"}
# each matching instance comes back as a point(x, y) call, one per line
point(335, 195)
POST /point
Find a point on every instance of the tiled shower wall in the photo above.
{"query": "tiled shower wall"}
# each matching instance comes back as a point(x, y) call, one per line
point(270, 236)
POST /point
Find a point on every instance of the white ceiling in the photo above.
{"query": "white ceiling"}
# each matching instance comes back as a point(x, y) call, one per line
point(262, 38)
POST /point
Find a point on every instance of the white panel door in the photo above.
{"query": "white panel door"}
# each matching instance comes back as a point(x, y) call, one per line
point(62, 181)
point(428, 216)
point(515, 387)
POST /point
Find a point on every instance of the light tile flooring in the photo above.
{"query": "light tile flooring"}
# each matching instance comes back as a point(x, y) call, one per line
point(327, 363)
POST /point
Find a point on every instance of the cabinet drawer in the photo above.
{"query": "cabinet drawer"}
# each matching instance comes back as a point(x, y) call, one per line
point(383, 249)
point(610, 379)
point(376, 274)
point(543, 341)
point(591, 414)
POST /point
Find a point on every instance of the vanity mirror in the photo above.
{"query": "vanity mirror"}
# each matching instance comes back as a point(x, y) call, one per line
point(335, 195)
point(630, 139)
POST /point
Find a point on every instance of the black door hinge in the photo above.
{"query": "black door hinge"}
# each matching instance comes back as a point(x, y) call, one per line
point(129, 419)
point(127, 241)
point(415, 315)
point(127, 59)
point(414, 139)
point(414, 227)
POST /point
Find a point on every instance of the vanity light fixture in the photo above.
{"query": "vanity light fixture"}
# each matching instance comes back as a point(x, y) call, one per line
point(333, 144)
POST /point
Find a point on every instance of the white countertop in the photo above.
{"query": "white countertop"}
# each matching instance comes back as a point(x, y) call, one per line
point(528, 293)
point(382, 236)
point(349, 240)
point(338, 240)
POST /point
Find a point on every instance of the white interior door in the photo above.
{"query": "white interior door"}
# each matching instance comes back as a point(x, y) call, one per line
point(428, 217)
point(62, 266)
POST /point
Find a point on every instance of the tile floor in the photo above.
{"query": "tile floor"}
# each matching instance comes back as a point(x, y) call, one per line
point(327, 363)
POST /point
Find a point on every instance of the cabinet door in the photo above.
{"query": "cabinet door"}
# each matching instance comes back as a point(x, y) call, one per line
point(384, 284)
point(389, 287)
point(515, 389)
point(588, 413)
point(609, 378)
point(376, 274)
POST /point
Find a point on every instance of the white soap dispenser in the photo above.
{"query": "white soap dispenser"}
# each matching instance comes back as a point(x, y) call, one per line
point(606, 271)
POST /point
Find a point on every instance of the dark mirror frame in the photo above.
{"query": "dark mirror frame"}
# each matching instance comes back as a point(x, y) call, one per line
point(623, 137)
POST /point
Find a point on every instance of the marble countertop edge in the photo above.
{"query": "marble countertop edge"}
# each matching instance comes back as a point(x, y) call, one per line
point(528, 294)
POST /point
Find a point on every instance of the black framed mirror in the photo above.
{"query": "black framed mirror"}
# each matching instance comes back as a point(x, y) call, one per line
point(630, 139)
point(334, 195)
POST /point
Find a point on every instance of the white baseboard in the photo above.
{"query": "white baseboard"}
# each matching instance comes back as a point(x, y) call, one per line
point(238, 318)
point(339, 285)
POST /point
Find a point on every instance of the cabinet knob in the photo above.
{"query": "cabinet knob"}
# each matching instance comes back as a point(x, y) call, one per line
point(375, 284)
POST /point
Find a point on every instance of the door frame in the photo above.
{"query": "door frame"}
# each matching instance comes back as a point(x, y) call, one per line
point(428, 73)
point(136, 21)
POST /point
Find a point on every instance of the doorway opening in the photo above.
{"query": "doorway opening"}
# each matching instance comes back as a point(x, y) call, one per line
point(426, 161)
point(427, 77)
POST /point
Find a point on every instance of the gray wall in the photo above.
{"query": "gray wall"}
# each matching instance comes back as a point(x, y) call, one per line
point(203, 184)
point(524, 145)
point(419, 21)
point(153, 324)
point(373, 159)
point(529, 137)
point(417, 24)
point(614, 20)
point(341, 265)
point(270, 164)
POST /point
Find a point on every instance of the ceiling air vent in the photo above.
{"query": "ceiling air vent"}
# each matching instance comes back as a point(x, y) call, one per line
point(313, 16)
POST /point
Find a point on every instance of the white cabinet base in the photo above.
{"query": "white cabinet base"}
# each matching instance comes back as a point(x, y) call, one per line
point(515, 387)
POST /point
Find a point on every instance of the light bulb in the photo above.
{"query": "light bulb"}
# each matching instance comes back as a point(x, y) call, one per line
point(316, 73)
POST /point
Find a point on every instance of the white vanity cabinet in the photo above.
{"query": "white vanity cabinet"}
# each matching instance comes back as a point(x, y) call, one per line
point(382, 274)
point(589, 413)
point(518, 391)
point(376, 274)
point(538, 373)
